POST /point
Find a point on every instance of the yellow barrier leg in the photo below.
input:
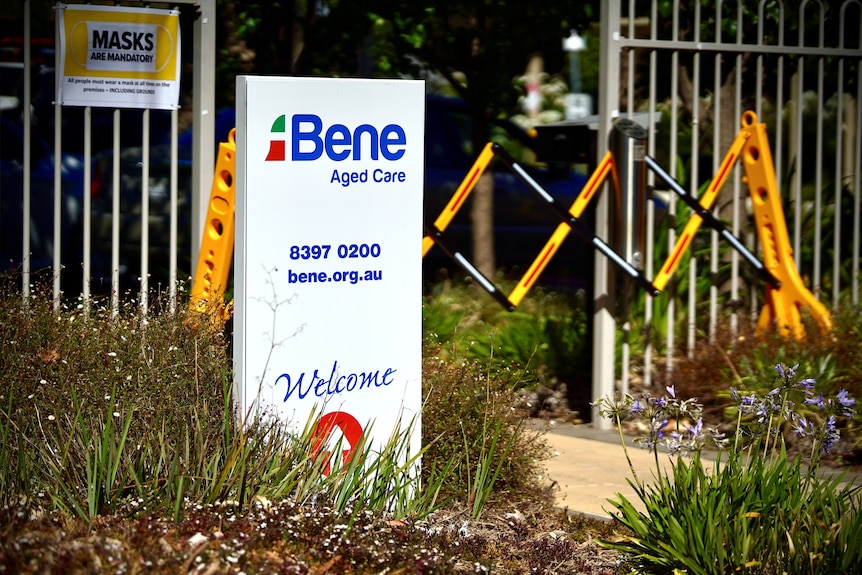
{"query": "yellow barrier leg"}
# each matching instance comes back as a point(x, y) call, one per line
point(708, 198)
point(216, 250)
point(562, 231)
point(460, 196)
point(782, 305)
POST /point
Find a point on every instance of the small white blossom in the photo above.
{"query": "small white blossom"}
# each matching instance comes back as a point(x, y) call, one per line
point(197, 539)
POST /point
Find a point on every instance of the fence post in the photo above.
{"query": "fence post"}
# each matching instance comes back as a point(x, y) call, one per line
point(604, 326)
point(203, 128)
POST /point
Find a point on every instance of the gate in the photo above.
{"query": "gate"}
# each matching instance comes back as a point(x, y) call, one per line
point(694, 71)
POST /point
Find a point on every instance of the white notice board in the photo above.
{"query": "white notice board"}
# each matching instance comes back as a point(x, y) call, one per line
point(328, 251)
point(118, 57)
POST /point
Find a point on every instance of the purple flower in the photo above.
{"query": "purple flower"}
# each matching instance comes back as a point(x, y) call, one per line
point(818, 401)
point(808, 383)
point(763, 412)
point(831, 436)
point(844, 399)
point(660, 429)
point(696, 429)
point(803, 427)
point(637, 407)
point(671, 391)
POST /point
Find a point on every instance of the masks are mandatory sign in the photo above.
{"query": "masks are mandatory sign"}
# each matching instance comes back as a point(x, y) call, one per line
point(118, 57)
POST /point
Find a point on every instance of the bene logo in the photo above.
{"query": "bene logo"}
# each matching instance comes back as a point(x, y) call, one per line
point(309, 141)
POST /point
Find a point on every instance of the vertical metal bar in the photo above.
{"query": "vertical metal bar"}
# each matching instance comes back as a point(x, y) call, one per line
point(751, 237)
point(145, 213)
point(650, 215)
point(25, 105)
point(88, 207)
point(115, 217)
point(172, 264)
point(840, 159)
point(670, 340)
point(779, 100)
point(797, 154)
point(695, 136)
point(737, 224)
point(818, 176)
point(754, 288)
point(716, 152)
point(625, 206)
point(203, 131)
point(857, 169)
point(603, 320)
point(58, 200)
point(58, 181)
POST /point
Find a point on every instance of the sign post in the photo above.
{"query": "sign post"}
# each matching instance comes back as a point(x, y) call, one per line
point(328, 254)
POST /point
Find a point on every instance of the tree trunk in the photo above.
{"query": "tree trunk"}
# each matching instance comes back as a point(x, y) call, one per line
point(482, 207)
point(482, 223)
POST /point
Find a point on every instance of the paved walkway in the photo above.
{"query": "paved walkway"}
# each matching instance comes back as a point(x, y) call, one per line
point(590, 467)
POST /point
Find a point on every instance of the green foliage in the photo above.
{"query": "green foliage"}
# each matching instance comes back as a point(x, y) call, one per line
point(757, 512)
point(105, 414)
point(468, 420)
point(544, 341)
point(758, 518)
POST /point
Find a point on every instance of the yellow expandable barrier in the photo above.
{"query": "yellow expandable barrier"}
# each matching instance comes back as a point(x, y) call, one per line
point(460, 196)
point(786, 294)
point(216, 250)
point(562, 231)
point(783, 304)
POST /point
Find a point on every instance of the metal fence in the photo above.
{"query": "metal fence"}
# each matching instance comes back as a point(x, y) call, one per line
point(44, 197)
point(694, 70)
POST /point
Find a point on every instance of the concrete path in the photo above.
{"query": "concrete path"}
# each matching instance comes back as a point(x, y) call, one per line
point(589, 467)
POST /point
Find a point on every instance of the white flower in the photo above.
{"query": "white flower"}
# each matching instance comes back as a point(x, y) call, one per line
point(42, 381)
point(197, 539)
point(51, 418)
point(116, 414)
point(112, 354)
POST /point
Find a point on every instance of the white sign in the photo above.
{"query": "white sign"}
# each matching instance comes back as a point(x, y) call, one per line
point(328, 267)
point(578, 106)
point(117, 57)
